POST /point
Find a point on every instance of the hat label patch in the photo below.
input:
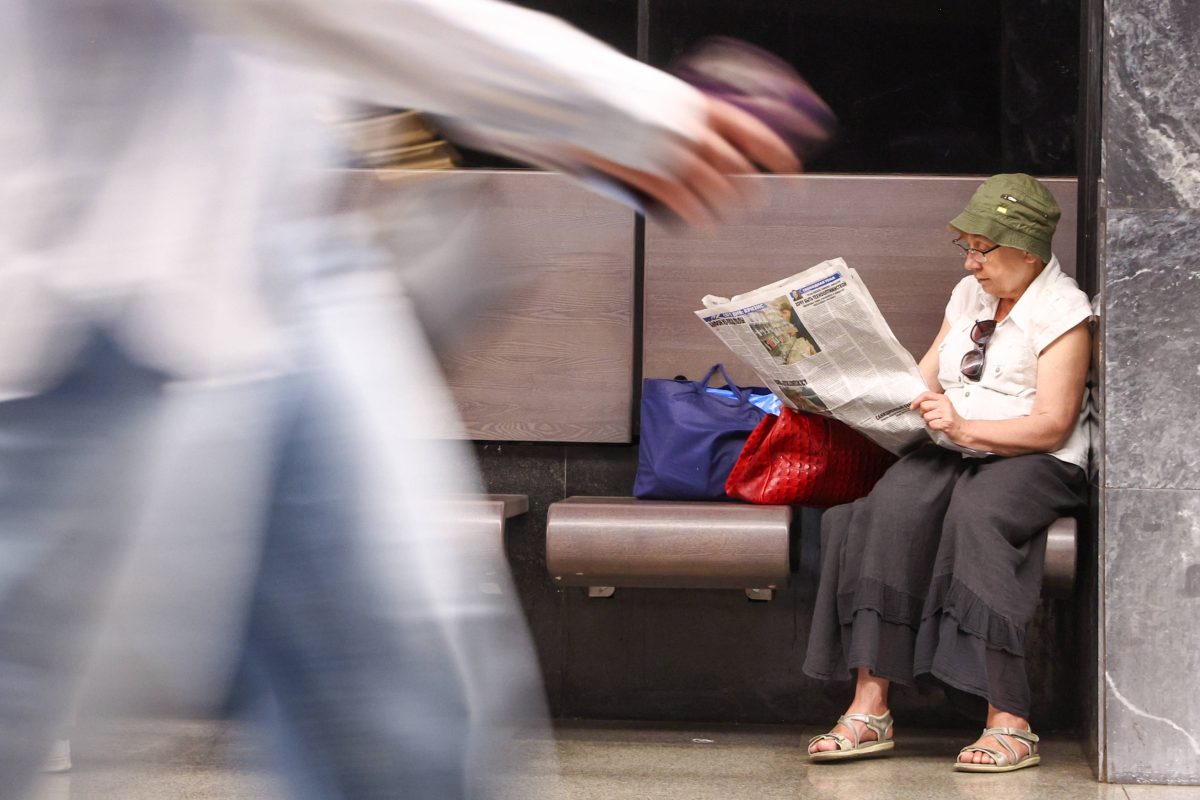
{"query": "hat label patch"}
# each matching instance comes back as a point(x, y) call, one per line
point(1002, 209)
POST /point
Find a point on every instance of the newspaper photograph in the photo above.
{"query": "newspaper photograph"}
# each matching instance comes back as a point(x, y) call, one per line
point(820, 343)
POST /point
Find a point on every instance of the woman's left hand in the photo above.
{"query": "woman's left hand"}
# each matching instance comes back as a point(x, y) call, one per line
point(939, 414)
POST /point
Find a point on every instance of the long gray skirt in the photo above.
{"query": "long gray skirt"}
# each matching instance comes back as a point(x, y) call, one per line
point(938, 571)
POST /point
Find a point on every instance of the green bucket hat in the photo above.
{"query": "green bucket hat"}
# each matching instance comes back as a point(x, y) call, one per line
point(1013, 210)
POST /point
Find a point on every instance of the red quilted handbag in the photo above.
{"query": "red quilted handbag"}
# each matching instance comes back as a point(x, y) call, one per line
point(806, 459)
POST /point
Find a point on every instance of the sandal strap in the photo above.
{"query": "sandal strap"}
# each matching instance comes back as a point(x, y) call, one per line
point(1019, 733)
point(1024, 735)
point(879, 724)
point(1000, 734)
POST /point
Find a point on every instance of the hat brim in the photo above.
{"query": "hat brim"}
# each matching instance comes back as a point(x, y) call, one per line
point(970, 222)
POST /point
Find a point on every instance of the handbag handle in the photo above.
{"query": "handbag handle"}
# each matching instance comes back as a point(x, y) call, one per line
point(743, 394)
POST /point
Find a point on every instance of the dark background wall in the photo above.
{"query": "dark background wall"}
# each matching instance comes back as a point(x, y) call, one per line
point(920, 87)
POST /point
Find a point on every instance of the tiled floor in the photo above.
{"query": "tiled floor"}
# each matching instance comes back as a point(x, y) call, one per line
point(601, 761)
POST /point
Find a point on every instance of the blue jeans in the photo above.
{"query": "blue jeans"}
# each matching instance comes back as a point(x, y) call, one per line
point(363, 706)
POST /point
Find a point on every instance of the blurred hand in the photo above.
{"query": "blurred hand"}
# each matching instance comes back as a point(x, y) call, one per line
point(702, 192)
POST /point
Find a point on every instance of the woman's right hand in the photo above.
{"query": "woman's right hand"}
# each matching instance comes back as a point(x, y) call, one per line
point(940, 415)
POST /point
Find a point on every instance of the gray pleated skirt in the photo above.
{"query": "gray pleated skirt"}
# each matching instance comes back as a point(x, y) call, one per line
point(938, 571)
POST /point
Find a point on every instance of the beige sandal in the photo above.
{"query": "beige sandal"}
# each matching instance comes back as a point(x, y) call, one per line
point(857, 749)
point(1004, 762)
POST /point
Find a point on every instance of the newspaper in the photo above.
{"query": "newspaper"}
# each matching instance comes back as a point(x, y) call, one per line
point(820, 343)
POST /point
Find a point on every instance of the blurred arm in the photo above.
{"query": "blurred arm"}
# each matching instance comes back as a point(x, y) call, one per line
point(534, 85)
point(517, 71)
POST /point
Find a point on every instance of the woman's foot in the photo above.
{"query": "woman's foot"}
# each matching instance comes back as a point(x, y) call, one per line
point(865, 727)
point(1007, 744)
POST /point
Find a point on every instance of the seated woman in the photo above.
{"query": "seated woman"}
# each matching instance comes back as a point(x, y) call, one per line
point(938, 571)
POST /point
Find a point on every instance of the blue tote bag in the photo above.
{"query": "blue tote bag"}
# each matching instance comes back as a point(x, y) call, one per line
point(690, 438)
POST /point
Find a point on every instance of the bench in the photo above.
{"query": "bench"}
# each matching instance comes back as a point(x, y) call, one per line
point(892, 229)
point(608, 542)
point(481, 520)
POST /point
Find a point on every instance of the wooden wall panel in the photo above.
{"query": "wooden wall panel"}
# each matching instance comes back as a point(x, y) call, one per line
point(892, 229)
point(550, 267)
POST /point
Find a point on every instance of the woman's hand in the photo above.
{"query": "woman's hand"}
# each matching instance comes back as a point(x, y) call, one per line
point(939, 415)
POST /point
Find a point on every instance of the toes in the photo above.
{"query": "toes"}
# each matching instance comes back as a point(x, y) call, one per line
point(976, 757)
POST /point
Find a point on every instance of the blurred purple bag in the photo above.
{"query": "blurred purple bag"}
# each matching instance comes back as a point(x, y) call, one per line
point(763, 85)
point(758, 83)
point(690, 438)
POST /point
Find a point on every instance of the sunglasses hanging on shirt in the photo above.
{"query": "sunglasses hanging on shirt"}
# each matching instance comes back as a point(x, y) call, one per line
point(973, 360)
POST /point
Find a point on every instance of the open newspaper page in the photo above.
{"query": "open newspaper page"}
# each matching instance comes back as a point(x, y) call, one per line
point(819, 342)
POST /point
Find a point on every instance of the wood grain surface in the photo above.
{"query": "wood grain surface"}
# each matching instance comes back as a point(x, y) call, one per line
point(550, 356)
point(892, 229)
point(550, 353)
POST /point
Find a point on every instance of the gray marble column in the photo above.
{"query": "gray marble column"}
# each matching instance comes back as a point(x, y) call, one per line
point(1149, 673)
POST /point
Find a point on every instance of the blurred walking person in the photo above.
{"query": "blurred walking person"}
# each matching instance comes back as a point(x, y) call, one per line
point(191, 347)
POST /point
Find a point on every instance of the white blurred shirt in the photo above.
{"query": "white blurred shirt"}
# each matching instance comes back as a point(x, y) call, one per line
point(147, 157)
point(1051, 306)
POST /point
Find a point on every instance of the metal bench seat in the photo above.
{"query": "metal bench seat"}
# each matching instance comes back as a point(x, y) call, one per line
point(608, 542)
point(480, 519)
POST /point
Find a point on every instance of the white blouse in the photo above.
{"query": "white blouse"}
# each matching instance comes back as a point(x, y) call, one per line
point(1051, 306)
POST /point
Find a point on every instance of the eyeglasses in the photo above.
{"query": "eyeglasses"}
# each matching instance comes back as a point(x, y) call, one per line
point(971, 365)
point(974, 254)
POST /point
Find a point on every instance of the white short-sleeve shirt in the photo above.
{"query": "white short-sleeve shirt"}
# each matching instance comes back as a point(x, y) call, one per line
point(1051, 306)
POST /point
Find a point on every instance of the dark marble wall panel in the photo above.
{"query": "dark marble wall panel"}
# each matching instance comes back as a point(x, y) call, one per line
point(1152, 96)
point(1149, 232)
point(1152, 604)
point(1152, 328)
point(598, 471)
point(1088, 623)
